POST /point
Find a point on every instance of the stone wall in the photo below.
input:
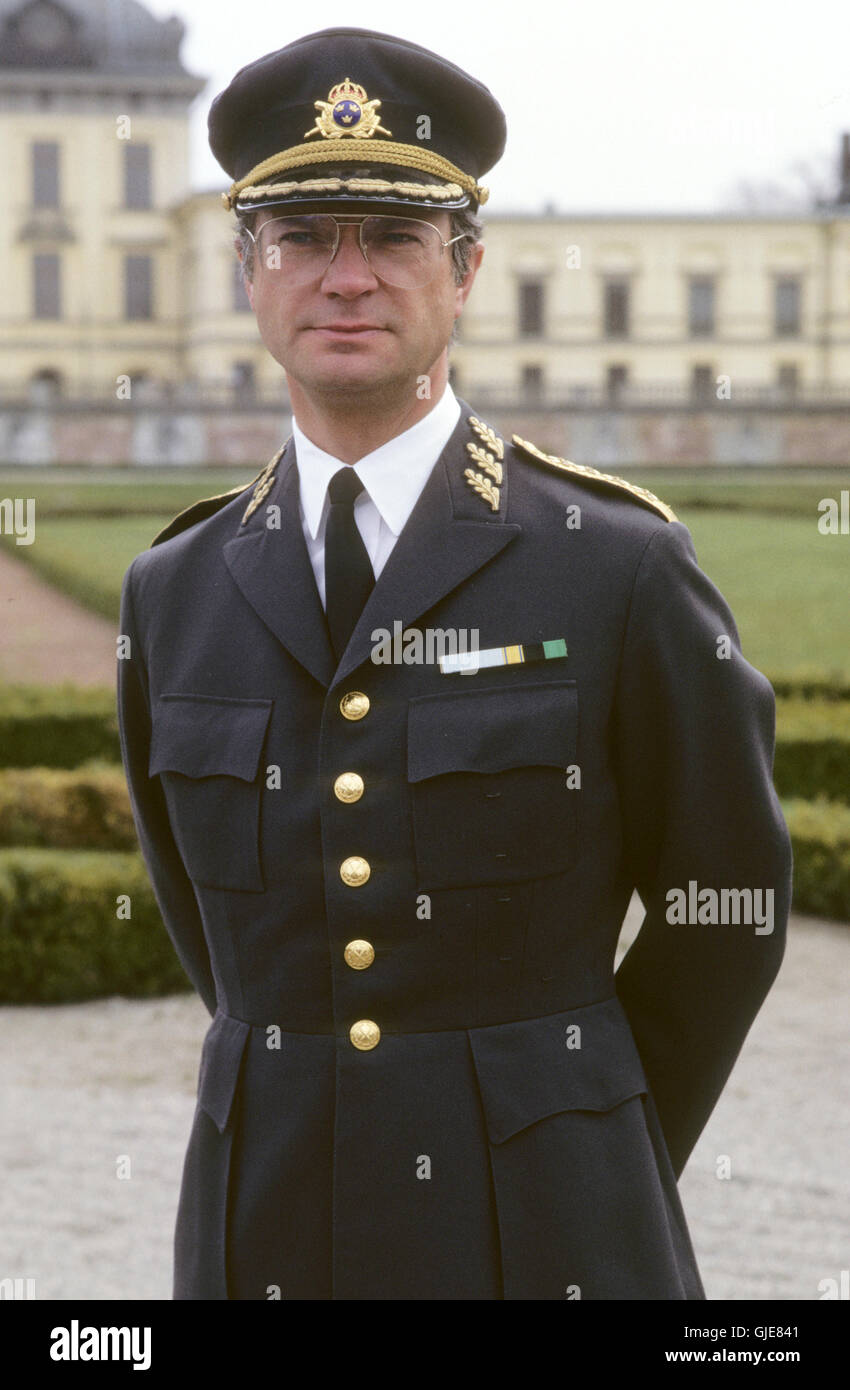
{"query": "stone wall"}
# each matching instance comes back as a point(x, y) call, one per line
point(604, 438)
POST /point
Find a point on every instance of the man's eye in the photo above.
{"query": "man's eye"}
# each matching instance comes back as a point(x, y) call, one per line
point(297, 239)
point(396, 238)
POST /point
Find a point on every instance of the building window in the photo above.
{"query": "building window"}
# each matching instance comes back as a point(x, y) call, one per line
point(531, 308)
point(616, 379)
point(45, 174)
point(143, 387)
point(45, 386)
point(239, 300)
point(137, 176)
point(46, 285)
point(702, 384)
point(243, 380)
point(616, 310)
point(138, 287)
point(701, 306)
point(788, 380)
point(788, 296)
point(532, 383)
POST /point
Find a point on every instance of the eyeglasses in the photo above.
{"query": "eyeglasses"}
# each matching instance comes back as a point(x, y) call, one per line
point(403, 251)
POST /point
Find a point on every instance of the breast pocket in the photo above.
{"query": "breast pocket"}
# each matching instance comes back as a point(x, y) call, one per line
point(487, 768)
point(207, 750)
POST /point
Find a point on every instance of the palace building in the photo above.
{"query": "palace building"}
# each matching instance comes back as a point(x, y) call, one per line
point(127, 336)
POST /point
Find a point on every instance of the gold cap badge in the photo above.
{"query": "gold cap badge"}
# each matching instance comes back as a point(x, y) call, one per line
point(347, 112)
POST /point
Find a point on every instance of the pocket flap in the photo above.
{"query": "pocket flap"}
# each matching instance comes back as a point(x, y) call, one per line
point(583, 1059)
point(208, 735)
point(221, 1058)
point(492, 729)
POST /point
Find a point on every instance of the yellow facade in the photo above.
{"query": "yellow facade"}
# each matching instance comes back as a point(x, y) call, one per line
point(92, 341)
point(564, 308)
point(197, 335)
point(657, 257)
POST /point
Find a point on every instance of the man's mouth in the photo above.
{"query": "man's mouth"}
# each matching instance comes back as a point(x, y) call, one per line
point(352, 328)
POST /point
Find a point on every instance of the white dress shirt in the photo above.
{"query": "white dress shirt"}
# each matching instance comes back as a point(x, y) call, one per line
point(393, 477)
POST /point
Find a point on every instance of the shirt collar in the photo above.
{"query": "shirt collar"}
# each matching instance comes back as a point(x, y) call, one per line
point(393, 475)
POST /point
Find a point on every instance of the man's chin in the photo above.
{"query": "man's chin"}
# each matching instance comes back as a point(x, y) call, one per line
point(346, 377)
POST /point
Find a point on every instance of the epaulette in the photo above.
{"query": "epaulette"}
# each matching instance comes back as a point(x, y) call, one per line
point(583, 470)
point(208, 506)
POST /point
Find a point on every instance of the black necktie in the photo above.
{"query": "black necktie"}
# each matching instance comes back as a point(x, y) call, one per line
point(349, 577)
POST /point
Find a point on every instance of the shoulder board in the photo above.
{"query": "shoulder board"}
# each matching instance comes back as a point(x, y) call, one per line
point(582, 470)
point(208, 506)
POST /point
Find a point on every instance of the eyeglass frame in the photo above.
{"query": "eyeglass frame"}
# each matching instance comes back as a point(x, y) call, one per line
point(351, 220)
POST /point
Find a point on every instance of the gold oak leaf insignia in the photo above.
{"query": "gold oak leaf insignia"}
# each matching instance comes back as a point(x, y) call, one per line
point(485, 461)
point(488, 435)
point(485, 489)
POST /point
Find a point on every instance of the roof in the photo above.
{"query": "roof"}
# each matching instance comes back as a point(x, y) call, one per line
point(117, 36)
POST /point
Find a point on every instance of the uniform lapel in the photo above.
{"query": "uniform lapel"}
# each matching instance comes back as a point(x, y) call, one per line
point(451, 532)
point(273, 570)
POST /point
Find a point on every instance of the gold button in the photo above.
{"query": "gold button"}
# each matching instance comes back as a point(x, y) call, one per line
point(359, 954)
point(354, 871)
point(348, 786)
point(365, 1034)
point(354, 705)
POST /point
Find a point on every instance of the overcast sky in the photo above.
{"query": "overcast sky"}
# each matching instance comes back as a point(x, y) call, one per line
point(613, 105)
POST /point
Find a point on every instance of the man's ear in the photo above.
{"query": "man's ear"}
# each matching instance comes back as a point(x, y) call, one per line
point(249, 287)
point(462, 291)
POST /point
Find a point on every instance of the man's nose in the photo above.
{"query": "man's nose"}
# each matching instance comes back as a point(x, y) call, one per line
point(349, 270)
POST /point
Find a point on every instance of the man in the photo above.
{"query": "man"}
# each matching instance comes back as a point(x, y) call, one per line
point(397, 876)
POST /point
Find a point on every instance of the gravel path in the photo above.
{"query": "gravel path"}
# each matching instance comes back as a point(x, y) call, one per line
point(84, 1084)
point(47, 638)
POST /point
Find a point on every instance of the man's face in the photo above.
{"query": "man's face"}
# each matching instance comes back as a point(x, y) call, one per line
point(403, 332)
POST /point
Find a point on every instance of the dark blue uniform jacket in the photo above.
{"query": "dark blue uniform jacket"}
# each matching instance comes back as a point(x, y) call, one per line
point(518, 1129)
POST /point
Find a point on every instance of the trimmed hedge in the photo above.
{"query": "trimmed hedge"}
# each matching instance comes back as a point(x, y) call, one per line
point(812, 749)
point(57, 726)
point(811, 685)
point(84, 808)
point(61, 939)
point(87, 806)
point(820, 834)
point(64, 726)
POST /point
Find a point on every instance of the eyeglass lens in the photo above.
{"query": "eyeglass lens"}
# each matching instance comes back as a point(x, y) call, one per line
point(400, 250)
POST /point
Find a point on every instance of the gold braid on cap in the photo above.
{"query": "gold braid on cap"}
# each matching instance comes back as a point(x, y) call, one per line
point(335, 150)
point(437, 191)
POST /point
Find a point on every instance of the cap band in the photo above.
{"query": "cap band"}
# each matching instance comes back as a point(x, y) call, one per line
point(335, 151)
point(437, 191)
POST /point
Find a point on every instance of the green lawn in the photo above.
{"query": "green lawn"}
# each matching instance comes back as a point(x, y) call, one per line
point(118, 491)
point(794, 491)
point(87, 556)
point(787, 585)
point(755, 534)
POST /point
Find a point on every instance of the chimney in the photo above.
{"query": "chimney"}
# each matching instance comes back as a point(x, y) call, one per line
point(844, 170)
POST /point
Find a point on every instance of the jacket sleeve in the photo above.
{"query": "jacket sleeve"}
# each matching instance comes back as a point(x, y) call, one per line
point(171, 884)
point(694, 741)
